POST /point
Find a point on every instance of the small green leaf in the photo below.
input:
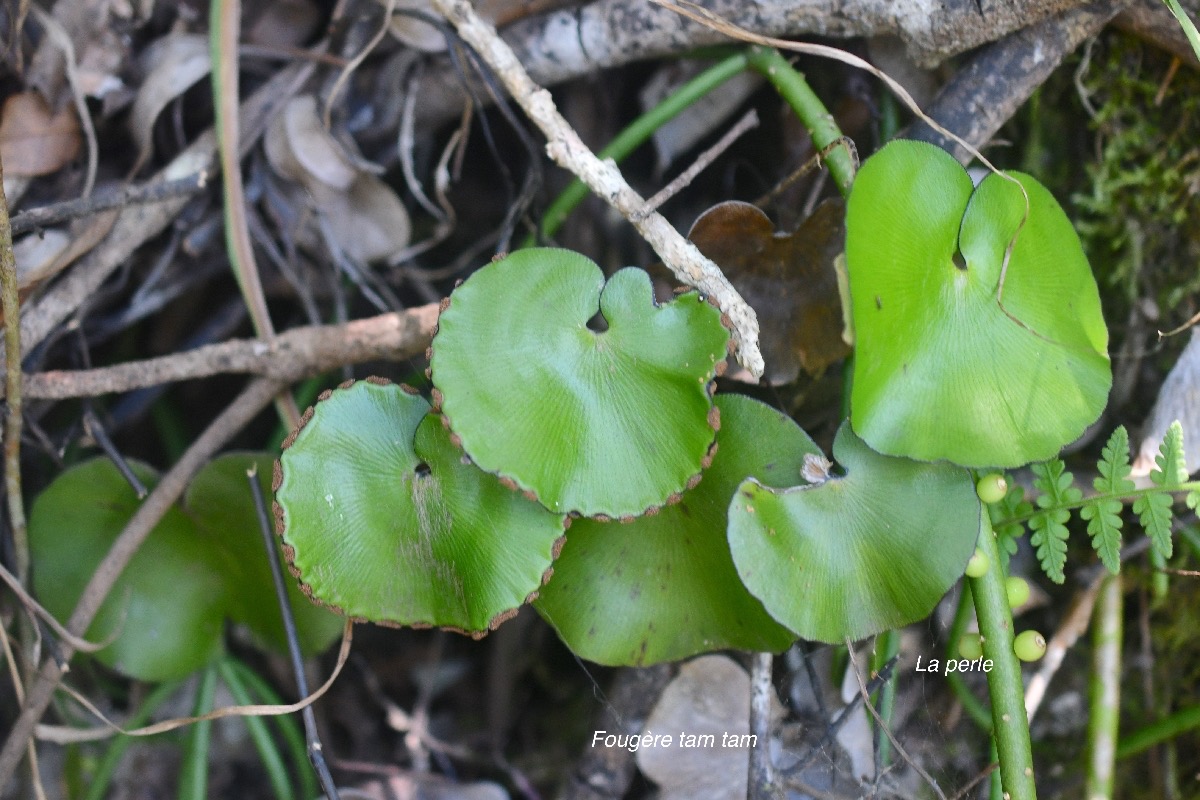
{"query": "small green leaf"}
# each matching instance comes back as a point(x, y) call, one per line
point(949, 364)
point(1103, 514)
point(859, 554)
point(1049, 523)
point(609, 422)
point(167, 607)
point(1171, 466)
point(384, 520)
point(1155, 510)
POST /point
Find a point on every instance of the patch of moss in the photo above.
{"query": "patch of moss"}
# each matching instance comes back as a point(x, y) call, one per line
point(1140, 216)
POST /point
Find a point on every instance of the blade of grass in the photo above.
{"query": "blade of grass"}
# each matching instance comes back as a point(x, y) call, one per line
point(193, 776)
point(292, 735)
point(224, 32)
point(259, 734)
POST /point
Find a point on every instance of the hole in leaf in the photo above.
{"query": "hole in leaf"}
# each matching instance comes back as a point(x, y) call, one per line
point(597, 324)
point(421, 470)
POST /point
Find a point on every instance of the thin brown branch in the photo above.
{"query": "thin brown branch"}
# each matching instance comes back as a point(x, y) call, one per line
point(297, 354)
point(237, 415)
point(11, 305)
point(35, 218)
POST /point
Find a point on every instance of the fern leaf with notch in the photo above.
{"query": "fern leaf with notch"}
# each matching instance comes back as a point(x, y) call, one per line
point(1049, 522)
point(1103, 514)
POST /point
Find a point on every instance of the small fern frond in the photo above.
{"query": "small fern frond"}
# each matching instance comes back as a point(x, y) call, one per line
point(1049, 522)
point(1103, 515)
point(1154, 509)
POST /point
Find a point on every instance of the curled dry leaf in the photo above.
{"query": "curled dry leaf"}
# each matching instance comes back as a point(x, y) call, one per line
point(789, 280)
point(35, 140)
point(1178, 399)
point(365, 215)
point(414, 32)
point(172, 65)
point(37, 254)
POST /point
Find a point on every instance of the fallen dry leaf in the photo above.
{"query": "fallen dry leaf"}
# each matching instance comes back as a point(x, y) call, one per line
point(365, 216)
point(788, 279)
point(173, 65)
point(33, 139)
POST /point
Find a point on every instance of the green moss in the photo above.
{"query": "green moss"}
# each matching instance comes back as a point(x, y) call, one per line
point(1140, 216)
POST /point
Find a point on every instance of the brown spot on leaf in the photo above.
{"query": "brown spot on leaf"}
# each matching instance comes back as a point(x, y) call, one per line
point(346, 384)
point(714, 418)
point(276, 476)
point(556, 548)
point(379, 381)
point(501, 618)
point(508, 483)
point(674, 498)
point(404, 387)
point(445, 303)
point(436, 396)
point(324, 395)
point(693, 481)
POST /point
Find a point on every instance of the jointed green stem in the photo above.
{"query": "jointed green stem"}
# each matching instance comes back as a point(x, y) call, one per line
point(976, 710)
point(1009, 721)
point(793, 88)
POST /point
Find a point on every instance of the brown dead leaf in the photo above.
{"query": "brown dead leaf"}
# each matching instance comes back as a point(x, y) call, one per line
point(365, 216)
point(33, 140)
point(173, 65)
point(789, 280)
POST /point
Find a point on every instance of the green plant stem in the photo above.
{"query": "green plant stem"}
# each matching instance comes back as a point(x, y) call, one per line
point(887, 644)
point(793, 88)
point(267, 751)
point(976, 710)
point(293, 737)
point(1189, 27)
point(637, 133)
point(1009, 721)
point(1124, 497)
point(1158, 732)
point(100, 781)
point(1105, 689)
point(193, 776)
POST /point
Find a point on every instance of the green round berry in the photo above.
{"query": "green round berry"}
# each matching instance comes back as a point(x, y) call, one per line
point(970, 646)
point(1029, 646)
point(977, 567)
point(1017, 590)
point(992, 488)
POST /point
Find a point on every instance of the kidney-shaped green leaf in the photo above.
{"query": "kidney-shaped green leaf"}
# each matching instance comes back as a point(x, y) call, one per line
point(167, 608)
point(596, 422)
point(664, 587)
point(220, 503)
point(948, 366)
point(382, 519)
point(855, 555)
